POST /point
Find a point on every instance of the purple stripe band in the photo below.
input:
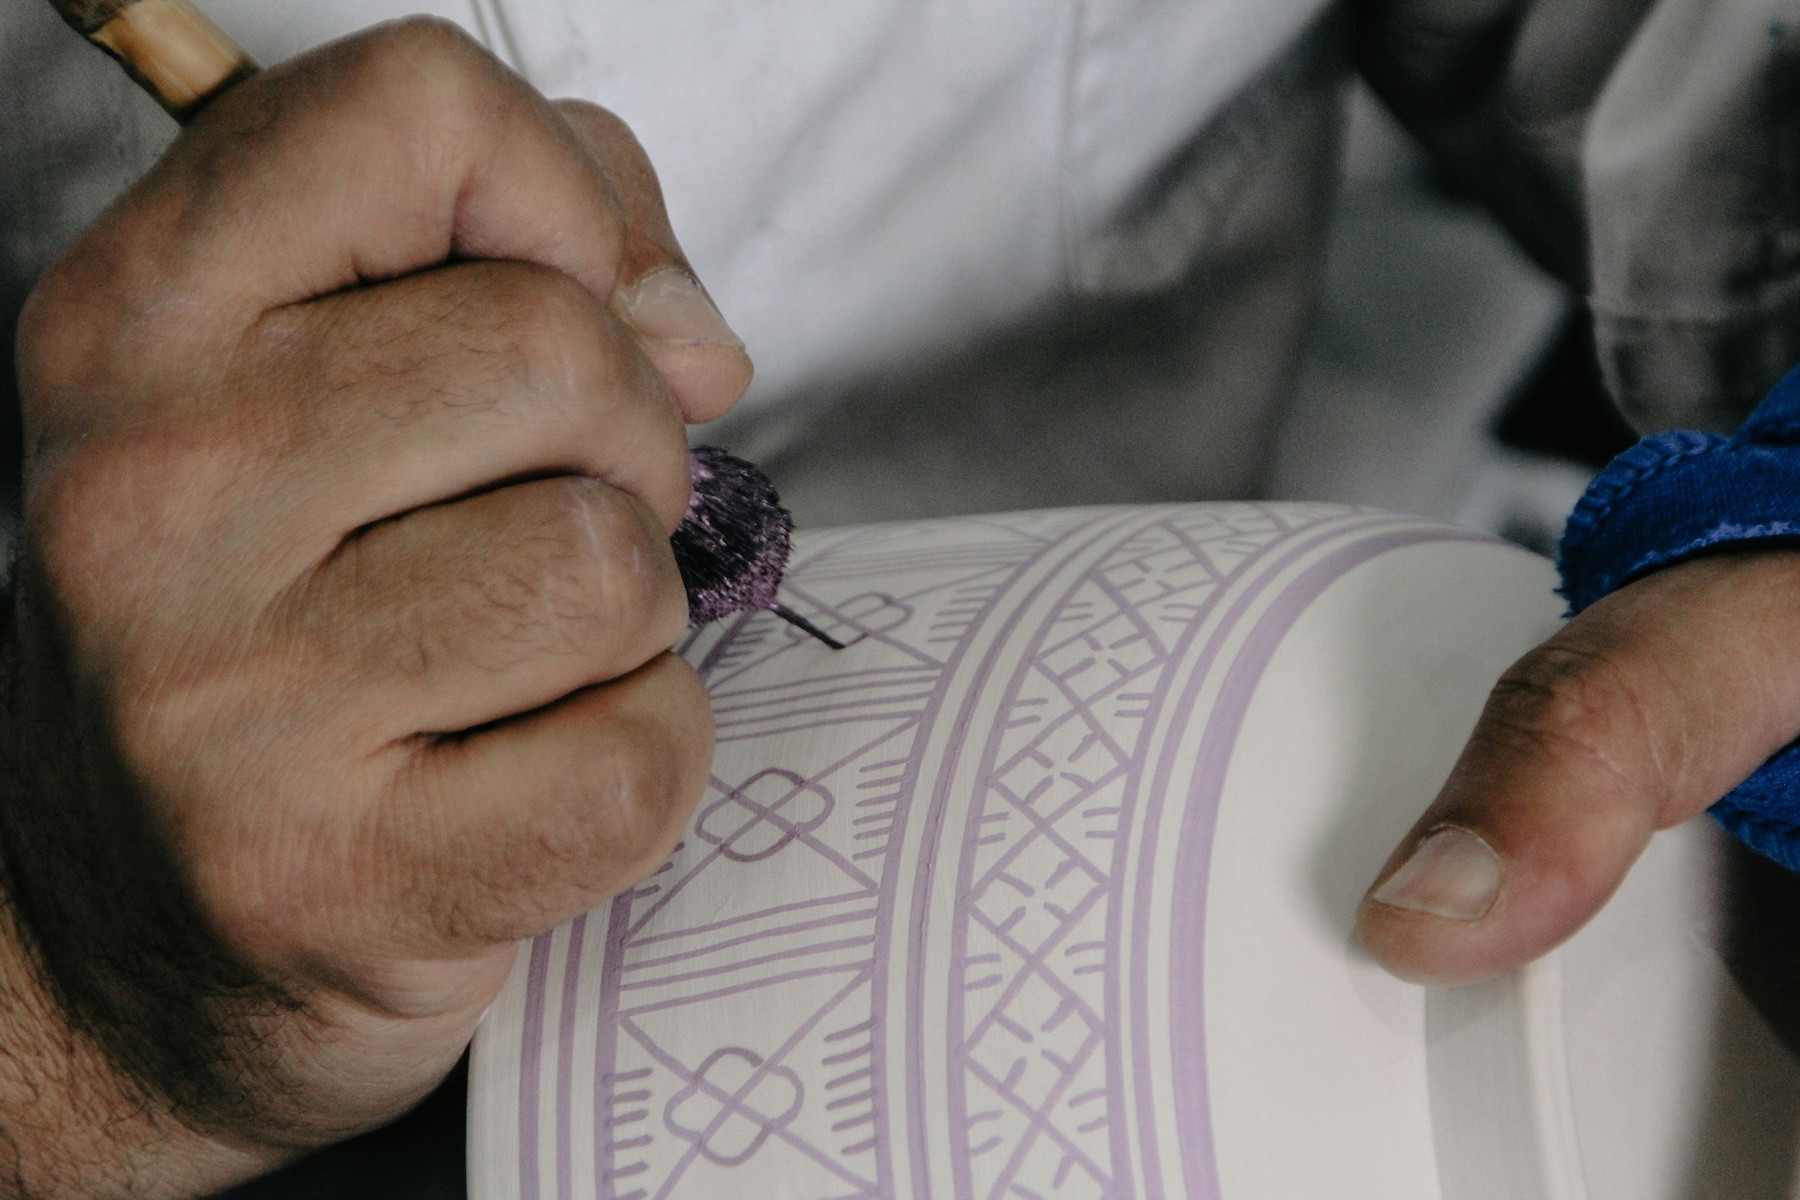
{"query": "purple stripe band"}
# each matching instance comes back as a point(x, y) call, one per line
point(1193, 1116)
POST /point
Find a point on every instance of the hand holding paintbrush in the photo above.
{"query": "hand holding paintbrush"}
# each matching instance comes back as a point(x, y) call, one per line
point(337, 660)
point(734, 546)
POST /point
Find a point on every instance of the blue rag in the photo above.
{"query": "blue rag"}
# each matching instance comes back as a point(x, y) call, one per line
point(1672, 496)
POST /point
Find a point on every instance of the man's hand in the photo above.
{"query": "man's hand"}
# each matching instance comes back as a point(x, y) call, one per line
point(1641, 712)
point(339, 659)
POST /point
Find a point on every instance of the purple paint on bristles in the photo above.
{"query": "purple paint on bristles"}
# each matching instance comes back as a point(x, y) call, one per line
point(732, 546)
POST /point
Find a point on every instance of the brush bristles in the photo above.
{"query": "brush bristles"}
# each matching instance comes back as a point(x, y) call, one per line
point(732, 546)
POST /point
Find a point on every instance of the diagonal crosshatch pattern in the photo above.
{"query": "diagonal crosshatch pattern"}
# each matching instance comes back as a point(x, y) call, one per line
point(1041, 860)
point(892, 957)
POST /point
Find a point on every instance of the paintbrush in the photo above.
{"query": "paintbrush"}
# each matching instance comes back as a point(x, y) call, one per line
point(732, 546)
point(170, 47)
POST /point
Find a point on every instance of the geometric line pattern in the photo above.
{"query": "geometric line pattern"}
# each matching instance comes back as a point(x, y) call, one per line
point(1043, 855)
point(833, 818)
point(985, 742)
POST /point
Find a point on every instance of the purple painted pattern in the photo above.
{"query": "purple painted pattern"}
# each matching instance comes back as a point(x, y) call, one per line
point(901, 952)
point(1042, 859)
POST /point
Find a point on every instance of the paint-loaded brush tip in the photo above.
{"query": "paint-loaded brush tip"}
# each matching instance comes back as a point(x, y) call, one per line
point(733, 544)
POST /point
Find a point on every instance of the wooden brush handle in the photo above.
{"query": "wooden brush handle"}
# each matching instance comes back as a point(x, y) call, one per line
point(168, 46)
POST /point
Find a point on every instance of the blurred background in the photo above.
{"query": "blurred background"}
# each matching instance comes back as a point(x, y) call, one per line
point(1446, 373)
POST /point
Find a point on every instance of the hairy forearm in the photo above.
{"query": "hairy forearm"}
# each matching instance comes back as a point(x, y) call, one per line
point(103, 1089)
point(94, 882)
point(350, 668)
point(71, 1125)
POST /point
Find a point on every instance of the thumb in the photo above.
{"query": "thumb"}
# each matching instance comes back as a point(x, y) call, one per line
point(1641, 712)
point(682, 332)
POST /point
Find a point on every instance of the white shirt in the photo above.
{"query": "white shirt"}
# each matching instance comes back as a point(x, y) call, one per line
point(882, 195)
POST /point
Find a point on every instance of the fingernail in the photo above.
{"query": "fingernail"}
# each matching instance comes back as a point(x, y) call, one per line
point(670, 306)
point(1453, 874)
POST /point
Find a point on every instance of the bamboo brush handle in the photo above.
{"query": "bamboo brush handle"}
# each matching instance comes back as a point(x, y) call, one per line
point(168, 46)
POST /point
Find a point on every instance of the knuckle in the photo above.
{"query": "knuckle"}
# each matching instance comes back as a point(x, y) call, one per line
point(614, 816)
point(619, 564)
point(70, 328)
point(559, 351)
point(1559, 683)
point(585, 574)
point(1563, 698)
point(632, 805)
point(619, 814)
point(556, 335)
point(515, 336)
point(610, 136)
point(634, 794)
point(398, 49)
point(604, 120)
point(94, 510)
point(426, 34)
point(507, 337)
point(56, 331)
point(427, 71)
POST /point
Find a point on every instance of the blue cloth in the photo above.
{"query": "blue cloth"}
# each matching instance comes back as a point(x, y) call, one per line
point(1674, 495)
